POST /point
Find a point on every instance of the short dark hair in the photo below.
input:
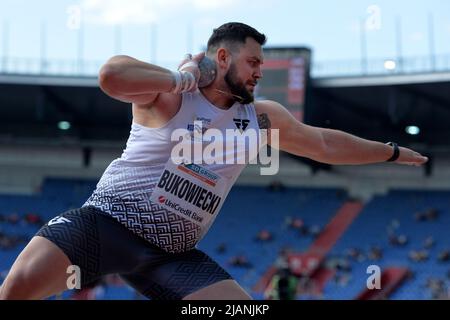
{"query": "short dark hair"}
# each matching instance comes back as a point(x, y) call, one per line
point(232, 33)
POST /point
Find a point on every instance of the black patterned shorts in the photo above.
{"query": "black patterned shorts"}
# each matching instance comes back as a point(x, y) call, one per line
point(100, 245)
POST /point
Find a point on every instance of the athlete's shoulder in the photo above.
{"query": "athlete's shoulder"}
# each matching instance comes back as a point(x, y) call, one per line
point(265, 105)
point(267, 110)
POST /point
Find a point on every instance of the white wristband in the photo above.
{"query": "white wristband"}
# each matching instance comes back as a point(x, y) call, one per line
point(188, 81)
point(177, 76)
point(184, 82)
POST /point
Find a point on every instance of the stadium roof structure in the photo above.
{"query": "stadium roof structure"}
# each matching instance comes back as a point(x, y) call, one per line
point(373, 107)
point(382, 107)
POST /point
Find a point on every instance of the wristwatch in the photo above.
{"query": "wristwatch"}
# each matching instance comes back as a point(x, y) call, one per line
point(396, 151)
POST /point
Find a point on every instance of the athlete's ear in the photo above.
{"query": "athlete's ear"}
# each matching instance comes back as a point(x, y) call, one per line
point(223, 58)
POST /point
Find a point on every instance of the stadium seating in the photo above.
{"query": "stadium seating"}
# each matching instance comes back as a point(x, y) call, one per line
point(248, 210)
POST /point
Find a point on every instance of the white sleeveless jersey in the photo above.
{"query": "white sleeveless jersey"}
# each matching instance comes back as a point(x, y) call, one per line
point(173, 204)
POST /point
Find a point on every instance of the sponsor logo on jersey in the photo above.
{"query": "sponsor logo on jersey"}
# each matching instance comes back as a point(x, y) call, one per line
point(241, 124)
point(177, 207)
point(58, 220)
point(189, 191)
point(200, 173)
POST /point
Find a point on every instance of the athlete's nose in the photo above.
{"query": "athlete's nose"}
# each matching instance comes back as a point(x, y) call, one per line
point(258, 74)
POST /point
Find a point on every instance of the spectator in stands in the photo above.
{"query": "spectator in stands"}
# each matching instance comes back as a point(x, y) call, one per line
point(6, 242)
point(33, 218)
point(393, 226)
point(338, 263)
point(431, 214)
point(419, 216)
point(221, 248)
point(283, 285)
point(288, 221)
point(315, 230)
point(13, 218)
point(332, 262)
point(438, 288)
point(11, 241)
point(282, 260)
point(342, 278)
point(375, 253)
point(414, 255)
point(240, 261)
point(344, 265)
point(400, 240)
point(444, 255)
point(429, 242)
point(295, 223)
point(306, 284)
point(305, 230)
point(418, 255)
point(264, 236)
point(298, 223)
point(355, 254)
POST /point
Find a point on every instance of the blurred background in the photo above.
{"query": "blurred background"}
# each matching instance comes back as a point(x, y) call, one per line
point(376, 69)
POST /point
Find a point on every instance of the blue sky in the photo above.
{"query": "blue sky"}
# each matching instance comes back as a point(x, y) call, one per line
point(330, 28)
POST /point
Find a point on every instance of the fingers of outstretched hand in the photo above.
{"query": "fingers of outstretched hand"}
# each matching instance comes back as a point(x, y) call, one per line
point(411, 157)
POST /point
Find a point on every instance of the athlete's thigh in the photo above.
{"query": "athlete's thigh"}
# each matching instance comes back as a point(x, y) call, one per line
point(94, 242)
point(166, 276)
point(38, 272)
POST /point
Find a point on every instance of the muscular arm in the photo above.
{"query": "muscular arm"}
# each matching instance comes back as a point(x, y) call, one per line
point(327, 145)
point(130, 80)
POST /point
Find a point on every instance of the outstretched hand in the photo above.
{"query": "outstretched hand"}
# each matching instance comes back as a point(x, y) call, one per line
point(410, 157)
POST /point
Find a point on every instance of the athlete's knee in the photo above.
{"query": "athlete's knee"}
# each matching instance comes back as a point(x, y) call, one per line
point(16, 286)
point(22, 281)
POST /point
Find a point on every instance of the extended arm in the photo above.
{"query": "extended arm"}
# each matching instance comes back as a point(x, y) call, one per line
point(327, 145)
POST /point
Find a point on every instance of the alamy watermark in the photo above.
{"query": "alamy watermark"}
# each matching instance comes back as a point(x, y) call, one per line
point(374, 280)
point(74, 280)
point(236, 146)
point(373, 20)
point(74, 17)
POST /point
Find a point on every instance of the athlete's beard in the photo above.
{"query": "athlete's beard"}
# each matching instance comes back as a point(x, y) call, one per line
point(237, 88)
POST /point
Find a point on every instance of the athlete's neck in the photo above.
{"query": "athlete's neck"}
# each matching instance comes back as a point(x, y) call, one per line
point(222, 99)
